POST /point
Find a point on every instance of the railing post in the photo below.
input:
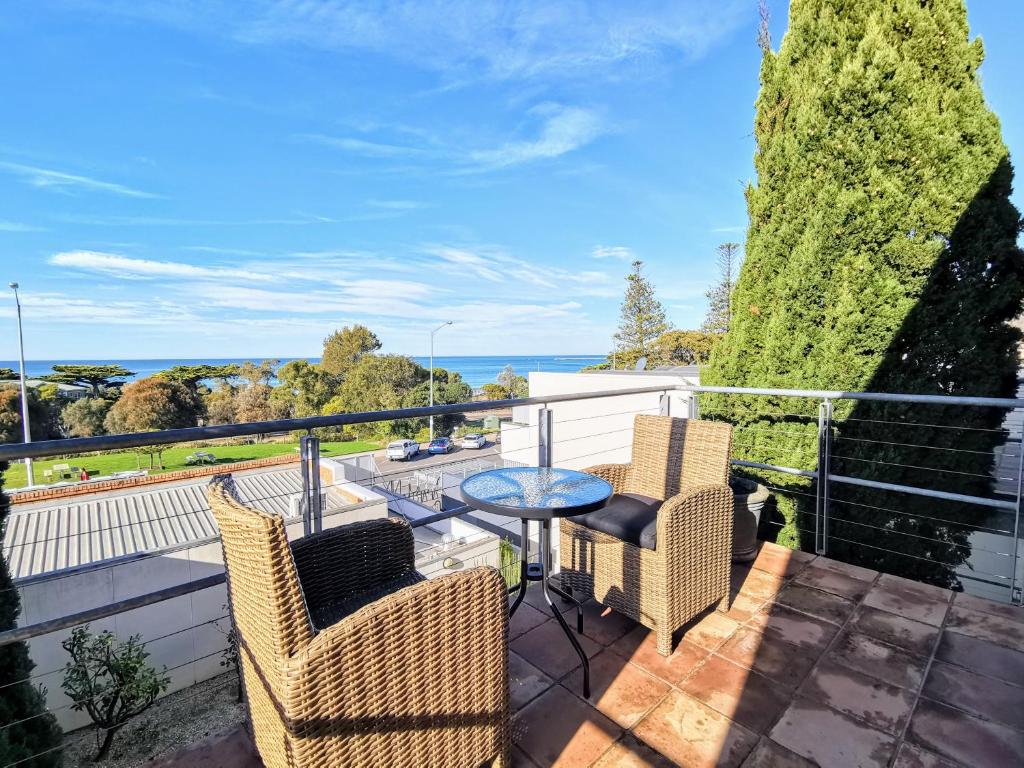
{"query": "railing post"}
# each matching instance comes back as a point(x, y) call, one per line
point(694, 408)
point(1015, 589)
point(664, 404)
point(544, 445)
point(309, 458)
point(821, 498)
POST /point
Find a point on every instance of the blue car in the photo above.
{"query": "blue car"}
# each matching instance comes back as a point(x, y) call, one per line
point(441, 445)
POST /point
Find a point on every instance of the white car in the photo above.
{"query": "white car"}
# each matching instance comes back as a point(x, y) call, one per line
point(473, 441)
point(402, 450)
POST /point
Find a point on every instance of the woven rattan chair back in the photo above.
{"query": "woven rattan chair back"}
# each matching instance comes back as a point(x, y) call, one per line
point(671, 454)
point(266, 600)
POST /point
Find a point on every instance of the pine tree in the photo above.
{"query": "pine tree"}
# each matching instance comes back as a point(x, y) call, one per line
point(720, 294)
point(642, 318)
point(881, 256)
point(21, 702)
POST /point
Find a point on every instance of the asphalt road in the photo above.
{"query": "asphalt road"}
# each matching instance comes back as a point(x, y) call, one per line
point(424, 460)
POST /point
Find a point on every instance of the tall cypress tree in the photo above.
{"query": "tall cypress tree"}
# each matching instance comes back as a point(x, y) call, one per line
point(26, 729)
point(881, 256)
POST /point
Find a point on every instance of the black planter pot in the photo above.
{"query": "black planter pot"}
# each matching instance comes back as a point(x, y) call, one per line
point(749, 499)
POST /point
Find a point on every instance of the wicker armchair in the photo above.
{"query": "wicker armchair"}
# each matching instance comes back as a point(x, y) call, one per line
point(664, 553)
point(351, 658)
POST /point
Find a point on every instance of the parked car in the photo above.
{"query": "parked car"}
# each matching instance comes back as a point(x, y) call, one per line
point(473, 441)
point(441, 445)
point(402, 450)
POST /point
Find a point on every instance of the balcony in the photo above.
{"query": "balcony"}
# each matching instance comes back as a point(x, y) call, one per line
point(895, 671)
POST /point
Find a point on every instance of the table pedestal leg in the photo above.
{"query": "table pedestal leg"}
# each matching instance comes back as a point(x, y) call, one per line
point(545, 554)
point(524, 561)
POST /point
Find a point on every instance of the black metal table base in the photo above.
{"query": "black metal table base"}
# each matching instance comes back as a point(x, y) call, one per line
point(539, 572)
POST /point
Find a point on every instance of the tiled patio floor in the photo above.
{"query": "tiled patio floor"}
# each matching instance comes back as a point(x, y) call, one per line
point(813, 662)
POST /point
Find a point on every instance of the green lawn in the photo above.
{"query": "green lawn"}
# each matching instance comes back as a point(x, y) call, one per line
point(174, 458)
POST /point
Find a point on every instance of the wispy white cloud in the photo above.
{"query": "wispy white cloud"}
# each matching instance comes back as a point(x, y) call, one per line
point(467, 262)
point(397, 205)
point(564, 129)
point(128, 268)
point(45, 178)
point(499, 41)
point(17, 226)
point(613, 252)
point(560, 129)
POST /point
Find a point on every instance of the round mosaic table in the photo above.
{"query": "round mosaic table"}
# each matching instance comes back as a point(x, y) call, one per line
point(539, 494)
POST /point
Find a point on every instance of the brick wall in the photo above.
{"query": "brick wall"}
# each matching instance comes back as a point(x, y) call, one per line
point(60, 492)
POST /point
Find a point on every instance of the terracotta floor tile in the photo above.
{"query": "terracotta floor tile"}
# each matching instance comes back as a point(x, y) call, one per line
point(548, 649)
point(982, 656)
point(740, 607)
point(640, 648)
point(694, 735)
point(1011, 612)
point(910, 599)
point(831, 738)
point(879, 660)
point(754, 583)
point(739, 694)
point(907, 634)
point(525, 681)
point(912, 756)
point(768, 754)
point(559, 729)
point(630, 752)
point(832, 581)
point(524, 619)
point(710, 630)
point(618, 689)
point(879, 704)
point(969, 740)
point(779, 560)
point(603, 625)
point(984, 696)
point(783, 662)
point(807, 632)
point(986, 626)
point(824, 605)
point(847, 569)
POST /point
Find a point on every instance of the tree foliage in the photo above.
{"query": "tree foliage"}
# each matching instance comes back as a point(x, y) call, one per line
point(192, 375)
point(94, 376)
point(8, 374)
point(881, 256)
point(375, 383)
point(720, 294)
point(110, 680)
point(42, 416)
point(344, 348)
point(26, 729)
point(305, 387)
point(257, 373)
point(449, 388)
point(85, 417)
point(683, 347)
point(642, 318)
point(153, 404)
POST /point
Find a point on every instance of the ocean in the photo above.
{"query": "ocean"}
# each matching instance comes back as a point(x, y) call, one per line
point(476, 371)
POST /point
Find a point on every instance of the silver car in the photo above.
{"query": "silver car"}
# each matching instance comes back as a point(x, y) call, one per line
point(402, 450)
point(473, 441)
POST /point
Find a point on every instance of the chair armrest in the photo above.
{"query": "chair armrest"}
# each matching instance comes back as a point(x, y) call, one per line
point(699, 517)
point(431, 658)
point(612, 473)
point(352, 558)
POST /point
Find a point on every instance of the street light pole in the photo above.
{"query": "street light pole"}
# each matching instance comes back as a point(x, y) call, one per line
point(442, 325)
point(26, 431)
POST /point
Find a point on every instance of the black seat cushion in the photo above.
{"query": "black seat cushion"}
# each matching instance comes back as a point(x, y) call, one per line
point(335, 610)
point(629, 517)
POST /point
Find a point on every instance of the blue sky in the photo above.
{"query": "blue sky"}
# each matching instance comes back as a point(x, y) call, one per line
point(212, 178)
